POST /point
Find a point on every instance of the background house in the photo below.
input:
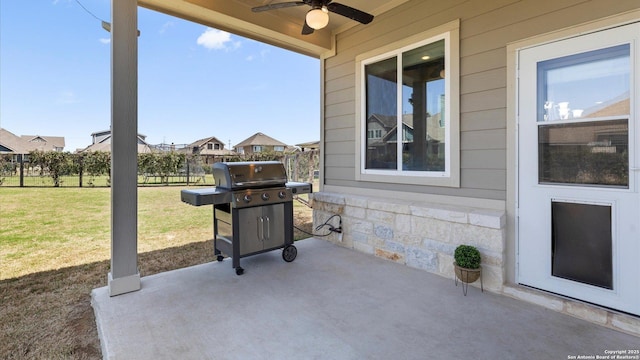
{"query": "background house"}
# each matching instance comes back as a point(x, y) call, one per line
point(309, 146)
point(101, 141)
point(210, 150)
point(13, 144)
point(260, 142)
point(43, 143)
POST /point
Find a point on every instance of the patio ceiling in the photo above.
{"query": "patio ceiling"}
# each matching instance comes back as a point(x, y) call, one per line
point(280, 27)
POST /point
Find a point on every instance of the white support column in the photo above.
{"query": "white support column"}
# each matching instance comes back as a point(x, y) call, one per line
point(124, 276)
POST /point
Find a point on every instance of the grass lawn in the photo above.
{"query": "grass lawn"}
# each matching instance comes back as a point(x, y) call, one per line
point(55, 248)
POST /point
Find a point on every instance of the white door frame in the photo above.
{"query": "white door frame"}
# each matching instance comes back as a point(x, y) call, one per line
point(512, 249)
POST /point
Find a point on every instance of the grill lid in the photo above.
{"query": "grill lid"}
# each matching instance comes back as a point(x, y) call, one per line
point(245, 175)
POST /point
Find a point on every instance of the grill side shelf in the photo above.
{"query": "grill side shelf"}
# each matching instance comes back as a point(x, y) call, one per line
point(298, 188)
point(208, 196)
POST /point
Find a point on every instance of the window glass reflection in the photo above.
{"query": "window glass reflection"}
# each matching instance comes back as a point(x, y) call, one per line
point(381, 108)
point(423, 116)
point(593, 84)
point(589, 153)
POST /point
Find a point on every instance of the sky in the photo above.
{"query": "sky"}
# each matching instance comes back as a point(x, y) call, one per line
point(194, 82)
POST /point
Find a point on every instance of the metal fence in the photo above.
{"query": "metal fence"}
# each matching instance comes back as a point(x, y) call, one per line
point(16, 172)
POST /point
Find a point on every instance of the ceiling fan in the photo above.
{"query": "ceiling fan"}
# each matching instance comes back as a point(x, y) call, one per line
point(318, 16)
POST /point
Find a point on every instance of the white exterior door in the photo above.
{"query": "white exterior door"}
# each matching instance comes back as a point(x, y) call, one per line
point(578, 159)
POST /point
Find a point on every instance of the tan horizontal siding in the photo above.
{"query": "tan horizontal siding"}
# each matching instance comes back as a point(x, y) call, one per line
point(483, 81)
point(484, 100)
point(505, 24)
point(339, 70)
point(483, 139)
point(483, 159)
point(486, 27)
point(339, 147)
point(414, 17)
point(339, 173)
point(340, 96)
point(489, 179)
point(483, 120)
point(342, 161)
point(488, 60)
point(472, 193)
point(341, 108)
point(340, 83)
point(344, 134)
point(339, 122)
point(528, 18)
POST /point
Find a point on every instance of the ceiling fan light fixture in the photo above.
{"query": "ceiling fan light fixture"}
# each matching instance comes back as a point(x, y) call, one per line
point(318, 18)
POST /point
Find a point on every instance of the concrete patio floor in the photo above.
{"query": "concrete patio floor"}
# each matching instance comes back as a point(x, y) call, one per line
point(332, 303)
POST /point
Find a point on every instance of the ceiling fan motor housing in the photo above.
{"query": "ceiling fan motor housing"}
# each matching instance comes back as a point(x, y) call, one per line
point(318, 16)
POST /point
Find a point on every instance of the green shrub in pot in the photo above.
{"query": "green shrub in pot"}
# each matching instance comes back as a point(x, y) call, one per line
point(467, 256)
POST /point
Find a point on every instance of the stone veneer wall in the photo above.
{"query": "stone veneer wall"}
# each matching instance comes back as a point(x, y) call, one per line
point(417, 234)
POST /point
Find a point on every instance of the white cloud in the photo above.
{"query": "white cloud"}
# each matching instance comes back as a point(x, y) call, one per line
point(166, 26)
point(213, 39)
point(67, 97)
point(105, 40)
point(263, 54)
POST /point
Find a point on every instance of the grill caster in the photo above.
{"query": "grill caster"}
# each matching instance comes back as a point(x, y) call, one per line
point(289, 253)
point(239, 271)
point(220, 258)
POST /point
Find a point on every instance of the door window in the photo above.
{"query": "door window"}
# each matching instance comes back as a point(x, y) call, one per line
point(592, 84)
point(583, 118)
point(588, 153)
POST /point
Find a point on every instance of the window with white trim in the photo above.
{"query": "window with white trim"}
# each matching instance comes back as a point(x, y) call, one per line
point(412, 87)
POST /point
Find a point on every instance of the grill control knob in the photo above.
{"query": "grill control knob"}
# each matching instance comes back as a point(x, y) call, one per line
point(265, 196)
point(247, 198)
point(282, 194)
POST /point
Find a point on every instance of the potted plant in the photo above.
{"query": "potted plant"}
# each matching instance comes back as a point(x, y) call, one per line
point(467, 265)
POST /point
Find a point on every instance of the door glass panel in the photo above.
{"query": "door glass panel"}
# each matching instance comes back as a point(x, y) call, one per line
point(581, 243)
point(593, 84)
point(587, 153)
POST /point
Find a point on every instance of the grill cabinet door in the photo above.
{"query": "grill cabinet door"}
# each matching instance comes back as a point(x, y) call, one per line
point(273, 216)
point(251, 229)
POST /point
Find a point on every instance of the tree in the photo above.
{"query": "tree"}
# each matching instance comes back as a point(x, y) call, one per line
point(170, 163)
point(57, 163)
point(161, 164)
point(148, 164)
point(97, 163)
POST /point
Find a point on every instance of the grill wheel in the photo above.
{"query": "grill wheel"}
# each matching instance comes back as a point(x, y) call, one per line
point(289, 253)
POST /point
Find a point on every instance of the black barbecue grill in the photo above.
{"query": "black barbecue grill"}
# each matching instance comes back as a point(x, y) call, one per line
point(252, 209)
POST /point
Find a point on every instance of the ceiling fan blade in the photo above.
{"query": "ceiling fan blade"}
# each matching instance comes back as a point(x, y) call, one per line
point(306, 29)
point(351, 13)
point(277, 6)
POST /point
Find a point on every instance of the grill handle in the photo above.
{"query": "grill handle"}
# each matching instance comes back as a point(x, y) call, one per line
point(260, 223)
point(268, 228)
